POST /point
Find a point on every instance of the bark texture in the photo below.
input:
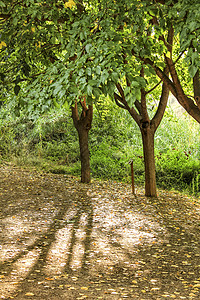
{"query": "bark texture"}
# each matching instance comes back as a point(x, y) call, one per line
point(196, 86)
point(147, 127)
point(83, 125)
point(149, 161)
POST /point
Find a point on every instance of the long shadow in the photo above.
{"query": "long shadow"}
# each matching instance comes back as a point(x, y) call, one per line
point(44, 242)
point(45, 239)
point(162, 266)
point(85, 206)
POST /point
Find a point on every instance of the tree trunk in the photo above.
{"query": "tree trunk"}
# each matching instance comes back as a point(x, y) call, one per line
point(149, 161)
point(83, 124)
point(84, 154)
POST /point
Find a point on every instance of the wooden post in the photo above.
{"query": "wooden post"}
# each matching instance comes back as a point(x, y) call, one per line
point(132, 177)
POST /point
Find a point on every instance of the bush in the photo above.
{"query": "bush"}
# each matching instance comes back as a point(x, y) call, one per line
point(51, 143)
point(7, 141)
point(177, 169)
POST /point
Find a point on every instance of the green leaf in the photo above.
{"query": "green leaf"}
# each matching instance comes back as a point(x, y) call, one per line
point(2, 4)
point(127, 91)
point(115, 77)
point(15, 20)
point(81, 72)
point(138, 94)
point(135, 84)
point(61, 94)
point(194, 57)
point(89, 71)
point(93, 82)
point(193, 25)
point(111, 88)
point(104, 76)
point(97, 92)
point(88, 48)
point(57, 89)
point(82, 36)
point(89, 90)
point(56, 103)
point(192, 70)
point(98, 70)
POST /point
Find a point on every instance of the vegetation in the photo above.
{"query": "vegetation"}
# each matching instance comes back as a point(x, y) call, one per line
point(50, 143)
point(74, 53)
point(88, 88)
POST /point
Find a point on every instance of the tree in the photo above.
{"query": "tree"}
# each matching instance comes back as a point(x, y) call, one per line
point(183, 16)
point(148, 128)
point(91, 53)
point(35, 33)
point(108, 65)
point(114, 48)
point(82, 124)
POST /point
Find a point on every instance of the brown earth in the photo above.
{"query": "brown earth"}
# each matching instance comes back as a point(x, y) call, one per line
point(60, 239)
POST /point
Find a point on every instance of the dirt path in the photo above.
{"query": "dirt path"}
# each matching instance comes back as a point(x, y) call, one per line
point(60, 239)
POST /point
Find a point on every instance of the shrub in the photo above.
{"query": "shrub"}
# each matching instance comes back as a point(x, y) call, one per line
point(176, 168)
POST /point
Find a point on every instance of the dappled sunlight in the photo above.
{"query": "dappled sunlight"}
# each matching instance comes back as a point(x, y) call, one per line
point(103, 232)
point(20, 269)
point(14, 232)
point(114, 234)
point(68, 245)
point(78, 247)
point(21, 231)
point(59, 251)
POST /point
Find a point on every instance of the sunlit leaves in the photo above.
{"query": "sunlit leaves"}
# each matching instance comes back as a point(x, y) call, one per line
point(99, 41)
point(2, 44)
point(69, 4)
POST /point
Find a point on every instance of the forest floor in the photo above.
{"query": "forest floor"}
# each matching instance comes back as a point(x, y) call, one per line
point(60, 239)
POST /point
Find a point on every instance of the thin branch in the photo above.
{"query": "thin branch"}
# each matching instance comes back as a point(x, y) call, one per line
point(120, 91)
point(83, 104)
point(118, 99)
point(151, 90)
point(179, 57)
point(138, 106)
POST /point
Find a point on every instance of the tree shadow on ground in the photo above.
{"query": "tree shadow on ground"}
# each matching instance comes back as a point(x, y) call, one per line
point(169, 268)
point(69, 219)
point(73, 241)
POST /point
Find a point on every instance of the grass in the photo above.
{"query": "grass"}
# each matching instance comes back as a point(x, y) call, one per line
point(51, 144)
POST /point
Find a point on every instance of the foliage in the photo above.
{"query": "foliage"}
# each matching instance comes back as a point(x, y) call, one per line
point(51, 143)
point(6, 141)
point(177, 168)
point(57, 52)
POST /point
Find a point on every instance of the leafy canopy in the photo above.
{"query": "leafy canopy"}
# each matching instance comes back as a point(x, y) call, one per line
point(86, 48)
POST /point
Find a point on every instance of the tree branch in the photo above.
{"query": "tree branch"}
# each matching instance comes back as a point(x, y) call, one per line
point(165, 89)
point(196, 87)
point(75, 115)
point(151, 90)
point(118, 99)
point(138, 106)
point(131, 110)
point(120, 91)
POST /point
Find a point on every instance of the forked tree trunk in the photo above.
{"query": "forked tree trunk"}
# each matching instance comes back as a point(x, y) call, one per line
point(149, 162)
point(84, 155)
point(83, 125)
point(140, 114)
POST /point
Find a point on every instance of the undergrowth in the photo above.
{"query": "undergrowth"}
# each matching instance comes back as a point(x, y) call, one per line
point(51, 144)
